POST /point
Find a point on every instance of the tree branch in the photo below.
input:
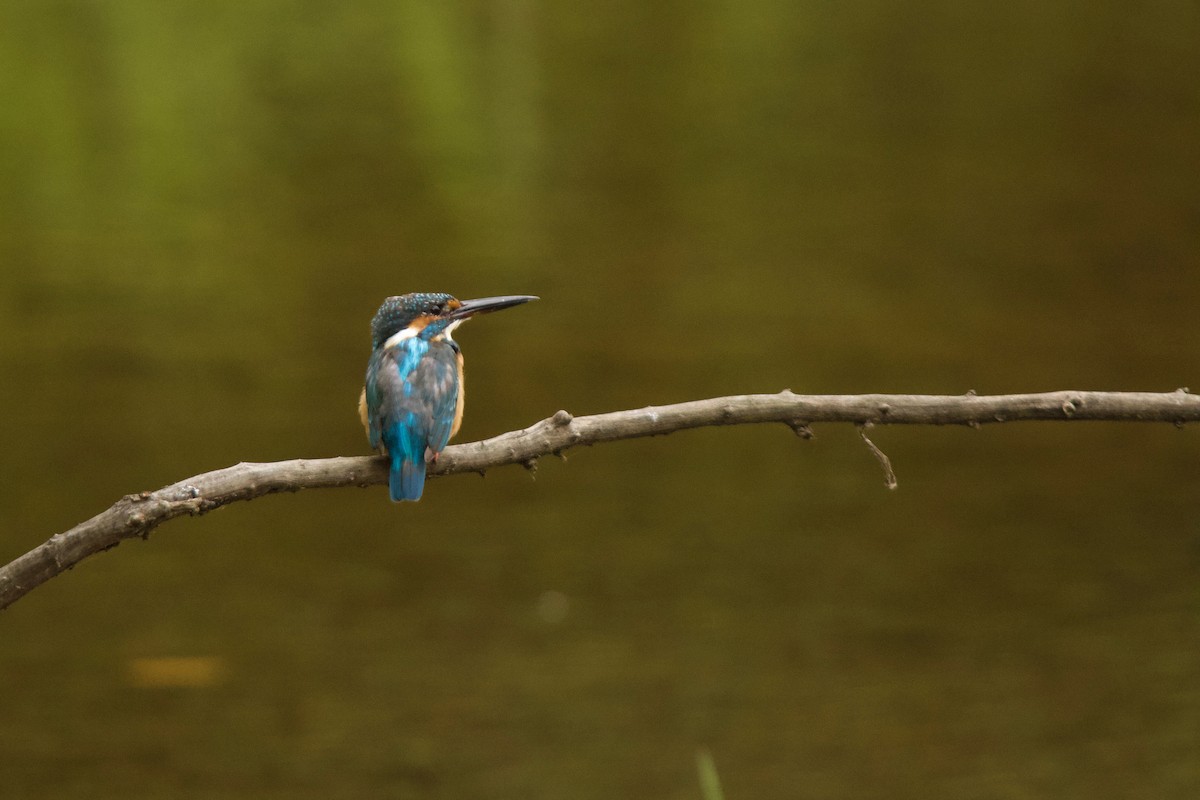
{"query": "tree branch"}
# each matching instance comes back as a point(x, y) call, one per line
point(138, 514)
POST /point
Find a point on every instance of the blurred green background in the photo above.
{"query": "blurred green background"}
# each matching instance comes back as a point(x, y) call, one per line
point(202, 204)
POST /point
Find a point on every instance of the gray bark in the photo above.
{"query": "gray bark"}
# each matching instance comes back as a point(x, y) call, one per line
point(136, 515)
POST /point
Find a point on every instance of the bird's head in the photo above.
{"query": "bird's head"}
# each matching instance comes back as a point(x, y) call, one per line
point(428, 314)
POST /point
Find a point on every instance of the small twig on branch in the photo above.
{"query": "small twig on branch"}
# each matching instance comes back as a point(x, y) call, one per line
point(889, 474)
point(137, 515)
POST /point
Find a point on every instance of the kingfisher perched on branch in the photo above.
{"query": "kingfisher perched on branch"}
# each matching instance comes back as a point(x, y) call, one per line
point(412, 402)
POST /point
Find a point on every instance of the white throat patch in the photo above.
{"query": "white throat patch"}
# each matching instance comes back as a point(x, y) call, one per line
point(448, 333)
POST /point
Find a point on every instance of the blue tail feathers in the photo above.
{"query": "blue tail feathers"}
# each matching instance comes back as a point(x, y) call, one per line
point(406, 442)
point(407, 479)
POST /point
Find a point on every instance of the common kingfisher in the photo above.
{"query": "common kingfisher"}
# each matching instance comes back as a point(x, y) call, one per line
point(412, 400)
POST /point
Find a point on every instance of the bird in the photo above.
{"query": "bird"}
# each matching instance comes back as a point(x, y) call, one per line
point(412, 398)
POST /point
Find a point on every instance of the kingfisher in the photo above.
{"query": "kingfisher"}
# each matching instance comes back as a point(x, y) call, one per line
point(412, 399)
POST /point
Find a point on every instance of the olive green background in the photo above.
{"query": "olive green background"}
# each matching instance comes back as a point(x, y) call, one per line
point(202, 204)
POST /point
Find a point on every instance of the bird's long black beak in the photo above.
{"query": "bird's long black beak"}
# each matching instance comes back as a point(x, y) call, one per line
point(485, 305)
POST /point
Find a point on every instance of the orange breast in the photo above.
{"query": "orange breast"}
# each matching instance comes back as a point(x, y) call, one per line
point(362, 412)
point(462, 398)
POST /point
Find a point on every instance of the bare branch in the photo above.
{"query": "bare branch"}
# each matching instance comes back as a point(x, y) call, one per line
point(138, 514)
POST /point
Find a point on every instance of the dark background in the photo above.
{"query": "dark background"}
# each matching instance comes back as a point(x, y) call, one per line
point(202, 204)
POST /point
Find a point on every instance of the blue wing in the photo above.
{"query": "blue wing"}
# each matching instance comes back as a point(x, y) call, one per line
point(412, 391)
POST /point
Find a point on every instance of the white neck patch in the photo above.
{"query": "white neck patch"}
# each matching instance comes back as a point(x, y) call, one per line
point(397, 338)
point(412, 332)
